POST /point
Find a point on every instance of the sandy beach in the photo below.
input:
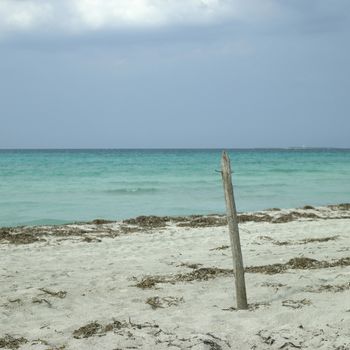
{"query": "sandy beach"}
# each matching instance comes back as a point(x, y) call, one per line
point(167, 283)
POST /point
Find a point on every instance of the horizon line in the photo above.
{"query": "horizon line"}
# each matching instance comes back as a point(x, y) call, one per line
point(171, 148)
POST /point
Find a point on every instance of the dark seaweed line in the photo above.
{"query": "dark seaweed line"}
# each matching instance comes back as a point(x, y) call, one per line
point(207, 273)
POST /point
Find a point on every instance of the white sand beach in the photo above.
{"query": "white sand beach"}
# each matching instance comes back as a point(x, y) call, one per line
point(157, 283)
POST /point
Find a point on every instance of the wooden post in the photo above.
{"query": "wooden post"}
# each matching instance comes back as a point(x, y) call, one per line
point(232, 221)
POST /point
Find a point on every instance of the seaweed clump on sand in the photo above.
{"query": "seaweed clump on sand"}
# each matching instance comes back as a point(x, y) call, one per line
point(148, 221)
point(254, 218)
point(197, 221)
point(301, 263)
point(10, 342)
point(87, 331)
point(9, 235)
point(158, 302)
point(97, 329)
point(201, 274)
point(101, 222)
point(207, 273)
point(294, 215)
point(337, 288)
point(341, 206)
point(300, 242)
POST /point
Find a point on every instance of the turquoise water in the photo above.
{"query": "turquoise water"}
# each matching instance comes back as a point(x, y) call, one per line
point(59, 186)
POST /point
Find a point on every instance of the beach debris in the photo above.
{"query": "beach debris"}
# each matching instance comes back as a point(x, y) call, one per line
point(149, 282)
point(274, 241)
point(101, 222)
point(88, 239)
point(259, 217)
point(11, 236)
point(266, 339)
point(125, 229)
point(299, 242)
point(301, 263)
point(28, 234)
point(308, 207)
point(60, 294)
point(39, 341)
point(190, 265)
point(40, 301)
point(17, 300)
point(296, 304)
point(341, 206)
point(201, 274)
point(318, 240)
point(212, 344)
point(147, 221)
point(203, 221)
point(87, 331)
point(302, 337)
point(207, 341)
point(162, 302)
point(294, 215)
point(96, 329)
point(221, 247)
point(329, 288)
point(98, 228)
point(275, 286)
point(207, 273)
point(9, 342)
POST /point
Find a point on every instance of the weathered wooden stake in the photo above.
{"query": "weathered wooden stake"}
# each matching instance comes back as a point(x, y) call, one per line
point(232, 221)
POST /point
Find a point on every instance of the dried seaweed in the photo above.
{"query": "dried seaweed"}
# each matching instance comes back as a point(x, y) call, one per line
point(87, 331)
point(190, 265)
point(254, 218)
point(302, 263)
point(203, 221)
point(275, 286)
point(162, 302)
point(341, 206)
point(147, 221)
point(9, 342)
point(40, 301)
point(97, 329)
point(201, 274)
point(207, 273)
point(101, 222)
point(9, 235)
point(296, 304)
point(319, 240)
point(308, 207)
point(60, 294)
point(303, 241)
point(337, 288)
point(294, 215)
point(221, 247)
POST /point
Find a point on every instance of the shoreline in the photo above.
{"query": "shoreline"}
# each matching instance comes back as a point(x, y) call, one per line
point(308, 208)
point(159, 282)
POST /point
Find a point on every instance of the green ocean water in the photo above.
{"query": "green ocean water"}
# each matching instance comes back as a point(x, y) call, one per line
point(60, 186)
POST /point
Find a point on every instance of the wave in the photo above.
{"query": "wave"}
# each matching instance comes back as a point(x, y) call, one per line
point(128, 191)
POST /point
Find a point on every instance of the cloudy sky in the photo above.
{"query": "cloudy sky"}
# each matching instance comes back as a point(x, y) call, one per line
point(174, 73)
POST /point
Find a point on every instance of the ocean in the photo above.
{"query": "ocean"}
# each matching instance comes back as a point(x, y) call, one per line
point(62, 186)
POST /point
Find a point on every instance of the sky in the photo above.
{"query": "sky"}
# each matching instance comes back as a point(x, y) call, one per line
point(174, 73)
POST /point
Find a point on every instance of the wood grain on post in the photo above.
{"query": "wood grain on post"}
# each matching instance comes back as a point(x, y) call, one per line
point(232, 221)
